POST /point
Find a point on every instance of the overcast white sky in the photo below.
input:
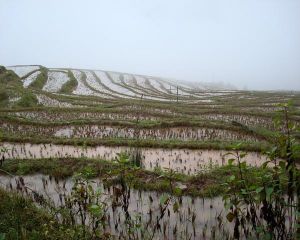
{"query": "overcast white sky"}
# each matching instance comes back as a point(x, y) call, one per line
point(248, 43)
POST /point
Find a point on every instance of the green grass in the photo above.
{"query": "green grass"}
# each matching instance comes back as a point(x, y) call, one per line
point(21, 219)
point(70, 85)
point(4, 97)
point(27, 100)
point(206, 184)
point(41, 79)
point(8, 76)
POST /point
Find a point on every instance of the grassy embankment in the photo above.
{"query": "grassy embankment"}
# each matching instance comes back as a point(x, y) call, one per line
point(205, 184)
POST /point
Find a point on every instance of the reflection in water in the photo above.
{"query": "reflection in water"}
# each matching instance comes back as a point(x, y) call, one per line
point(195, 216)
point(182, 160)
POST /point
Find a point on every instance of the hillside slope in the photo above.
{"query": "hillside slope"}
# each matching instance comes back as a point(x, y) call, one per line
point(110, 85)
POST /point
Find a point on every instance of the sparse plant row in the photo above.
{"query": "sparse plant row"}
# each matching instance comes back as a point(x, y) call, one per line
point(69, 86)
point(232, 120)
point(84, 212)
point(181, 108)
point(84, 117)
point(146, 108)
point(129, 132)
point(56, 100)
point(203, 184)
point(170, 144)
point(92, 100)
point(260, 194)
point(182, 216)
point(138, 112)
point(192, 109)
point(152, 125)
point(52, 102)
point(185, 161)
point(130, 176)
point(262, 104)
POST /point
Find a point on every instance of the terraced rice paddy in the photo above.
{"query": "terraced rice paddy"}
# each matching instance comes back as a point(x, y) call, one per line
point(181, 128)
point(181, 160)
point(204, 211)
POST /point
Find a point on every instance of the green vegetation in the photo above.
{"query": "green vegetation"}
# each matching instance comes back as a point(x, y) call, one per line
point(41, 79)
point(4, 97)
point(69, 86)
point(169, 144)
point(205, 184)
point(8, 76)
point(271, 195)
point(10, 84)
point(27, 100)
point(255, 196)
point(22, 219)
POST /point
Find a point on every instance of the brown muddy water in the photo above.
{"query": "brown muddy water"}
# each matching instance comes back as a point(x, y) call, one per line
point(194, 219)
point(105, 131)
point(181, 160)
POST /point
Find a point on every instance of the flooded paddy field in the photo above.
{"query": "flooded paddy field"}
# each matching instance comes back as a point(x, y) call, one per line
point(181, 160)
point(127, 132)
point(181, 218)
point(193, 220)
point(254, 119)
point(66, 116)
point(65, 121)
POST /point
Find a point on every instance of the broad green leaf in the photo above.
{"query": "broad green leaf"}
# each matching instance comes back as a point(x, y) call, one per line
point(2, 236)
point(231, 178)
point(258, 190)
point(163, 199)
point(269, 191)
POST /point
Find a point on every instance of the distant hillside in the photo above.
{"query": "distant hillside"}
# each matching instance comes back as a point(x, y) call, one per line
point(111, 85)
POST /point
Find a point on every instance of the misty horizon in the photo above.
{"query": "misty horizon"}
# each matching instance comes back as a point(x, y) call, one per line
point(251, 45)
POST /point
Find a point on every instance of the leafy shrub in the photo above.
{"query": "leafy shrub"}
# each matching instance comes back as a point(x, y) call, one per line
point(3, 96)
point(27, 100)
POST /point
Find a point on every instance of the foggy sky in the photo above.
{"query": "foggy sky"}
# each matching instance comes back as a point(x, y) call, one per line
point(253, 44)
